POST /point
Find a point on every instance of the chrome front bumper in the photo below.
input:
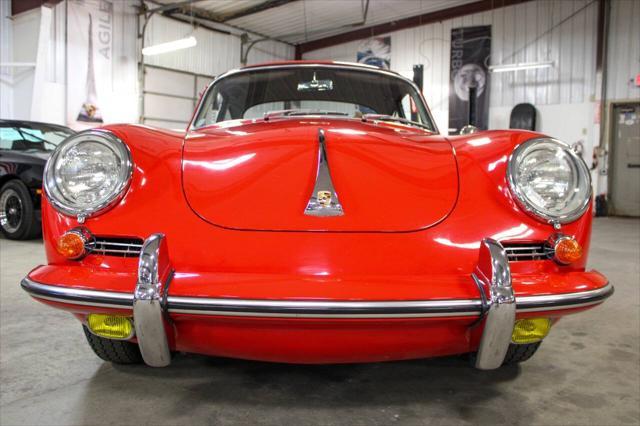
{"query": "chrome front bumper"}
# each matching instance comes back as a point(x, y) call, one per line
point(151, 304)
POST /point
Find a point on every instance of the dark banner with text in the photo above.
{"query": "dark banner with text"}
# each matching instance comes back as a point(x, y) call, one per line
point(469, 78)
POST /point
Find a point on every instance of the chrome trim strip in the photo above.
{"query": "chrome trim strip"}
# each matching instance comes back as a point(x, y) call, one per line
point(494, 278)
point(201, 306)
point(77, 296)
point(554, 302)
point(154, 273)
point(532, 247)
point(318, 205)
point(322, 316)
point(322, 309)
point(108, 243)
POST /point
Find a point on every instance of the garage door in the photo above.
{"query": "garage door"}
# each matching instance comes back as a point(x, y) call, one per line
point(170, 96)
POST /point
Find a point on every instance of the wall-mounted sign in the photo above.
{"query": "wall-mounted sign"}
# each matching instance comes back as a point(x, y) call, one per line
point(375, 51)
point(90, 37)
point(470, 51)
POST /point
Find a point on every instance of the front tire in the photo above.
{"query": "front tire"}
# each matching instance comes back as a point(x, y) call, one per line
point(520, 353)
point(18, 219)
point(116, 351)
point(515, 354)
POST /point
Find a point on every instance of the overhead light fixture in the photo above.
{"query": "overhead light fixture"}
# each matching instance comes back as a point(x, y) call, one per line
point(521, 66)
point(17, 64)
point(157, 49)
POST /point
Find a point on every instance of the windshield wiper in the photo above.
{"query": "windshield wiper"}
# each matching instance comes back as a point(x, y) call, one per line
point(298, 112)
point(38, 138)
point(391, 118)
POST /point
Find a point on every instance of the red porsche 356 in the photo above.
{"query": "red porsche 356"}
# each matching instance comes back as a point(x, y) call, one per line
point(312, 213)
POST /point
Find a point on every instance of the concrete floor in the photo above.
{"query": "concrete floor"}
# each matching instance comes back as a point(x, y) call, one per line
point(586, 372)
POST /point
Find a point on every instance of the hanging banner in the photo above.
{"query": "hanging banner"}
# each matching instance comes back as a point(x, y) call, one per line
point(89, 62)
point(470, 52)
point(375, 51)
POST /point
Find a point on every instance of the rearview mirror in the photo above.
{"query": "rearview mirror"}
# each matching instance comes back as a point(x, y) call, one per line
point(315, 85)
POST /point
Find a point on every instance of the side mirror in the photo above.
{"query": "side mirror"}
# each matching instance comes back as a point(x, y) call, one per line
point(469, 129)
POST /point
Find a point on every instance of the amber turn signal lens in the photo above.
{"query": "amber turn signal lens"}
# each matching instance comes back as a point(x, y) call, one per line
point(567, 250)
point(110, 326)
point(530, 330)
point(71, 245)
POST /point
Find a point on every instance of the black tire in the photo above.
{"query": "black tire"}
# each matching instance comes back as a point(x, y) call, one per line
point(18, 218)
point(116, 351)
point(520, 353)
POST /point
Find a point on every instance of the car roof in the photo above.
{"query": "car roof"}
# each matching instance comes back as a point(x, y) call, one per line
point(313, 62)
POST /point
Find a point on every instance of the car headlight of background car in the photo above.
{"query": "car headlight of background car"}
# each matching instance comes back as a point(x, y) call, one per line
point(88, 173)
point(549, 180)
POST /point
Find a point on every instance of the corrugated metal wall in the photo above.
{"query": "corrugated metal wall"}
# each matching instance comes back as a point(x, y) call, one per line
point(624, 50)
point(125, 47)
point(6, 55)
point(215, 52)
point(524, 33)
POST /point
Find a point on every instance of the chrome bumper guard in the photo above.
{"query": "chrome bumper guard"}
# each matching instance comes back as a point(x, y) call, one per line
point(151, 303)
point(154, 276)
point(493, 277)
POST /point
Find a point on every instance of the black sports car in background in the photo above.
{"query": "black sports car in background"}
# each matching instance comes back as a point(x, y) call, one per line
point(25, 147)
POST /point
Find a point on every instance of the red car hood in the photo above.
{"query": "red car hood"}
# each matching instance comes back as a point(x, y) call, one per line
point(260, 175)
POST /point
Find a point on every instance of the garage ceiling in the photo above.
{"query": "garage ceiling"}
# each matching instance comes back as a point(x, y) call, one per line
point(301, 21)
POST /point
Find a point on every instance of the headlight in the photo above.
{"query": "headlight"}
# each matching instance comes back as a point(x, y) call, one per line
point(549, 180)
point(88, 173)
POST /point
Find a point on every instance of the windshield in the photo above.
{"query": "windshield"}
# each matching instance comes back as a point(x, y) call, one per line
point(31, 136)
point(312, 90)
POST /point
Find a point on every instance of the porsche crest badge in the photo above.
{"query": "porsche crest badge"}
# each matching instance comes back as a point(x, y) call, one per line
point(324, 198)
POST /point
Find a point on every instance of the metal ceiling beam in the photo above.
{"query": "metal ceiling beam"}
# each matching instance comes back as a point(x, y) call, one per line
point(19, 6)
point(201, 17)
point(401, 24)
point(260, 7)
point(205, 15)
point(174, 5)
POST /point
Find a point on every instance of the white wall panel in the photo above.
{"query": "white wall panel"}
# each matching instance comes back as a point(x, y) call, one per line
point(306, 20)
point(25, 32)
point(624, 50)
point(270, 51)
point(571, 128)
point(169, 82)
point(528, 32)
point(201, 84)
point(170, 96)
point(215, 52)
point(563, 31)
point(175, 110)
point(6, 55)
point(125, 61)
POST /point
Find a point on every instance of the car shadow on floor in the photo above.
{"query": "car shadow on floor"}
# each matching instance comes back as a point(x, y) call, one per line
point(198, 384)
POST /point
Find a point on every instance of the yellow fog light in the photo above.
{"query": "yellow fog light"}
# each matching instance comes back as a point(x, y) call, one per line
point(110, 326)
point(530, 330)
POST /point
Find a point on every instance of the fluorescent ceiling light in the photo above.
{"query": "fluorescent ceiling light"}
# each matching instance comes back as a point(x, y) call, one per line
point(158, 49)
point(17, 64)
point(520, 66)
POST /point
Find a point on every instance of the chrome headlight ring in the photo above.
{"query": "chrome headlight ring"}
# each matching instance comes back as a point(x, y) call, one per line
point(579, 191)
point(103, 180)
